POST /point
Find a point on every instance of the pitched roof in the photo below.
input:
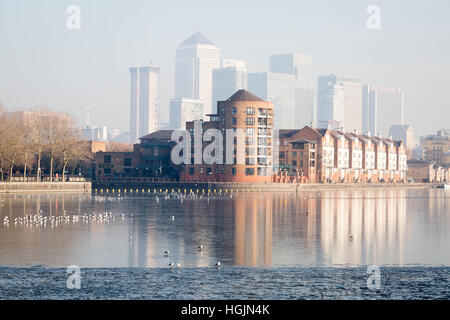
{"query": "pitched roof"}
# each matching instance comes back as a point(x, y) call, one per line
point(301, 140)
point(158, 135)
point(197, 38)
point(287, 133)
point(244, 95)
point(321, 131)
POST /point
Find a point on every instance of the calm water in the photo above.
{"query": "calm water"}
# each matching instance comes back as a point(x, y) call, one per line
point(271, 231)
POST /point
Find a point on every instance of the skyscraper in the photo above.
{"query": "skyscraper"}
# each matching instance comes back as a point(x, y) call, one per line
point(404, 133)
point(196, 57)
point(229, 78)
point(183, 110)
point(278, 88)
point(300, 66)
point(339, 103)
point(144, 99)
point(383, 108)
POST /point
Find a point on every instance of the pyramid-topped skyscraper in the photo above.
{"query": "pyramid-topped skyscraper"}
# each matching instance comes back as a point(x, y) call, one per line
point(196, 57)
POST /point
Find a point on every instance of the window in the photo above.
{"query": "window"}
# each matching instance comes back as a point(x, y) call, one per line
point(127, 162)
point(282, 155)
point(249, 171)
point(201, 170)
point(262, 131)
point(249, 161)
point(222, 111)
point(233, 171)
point(233, 121)
point(250, 151)
point(191, 171)
point(234, 110)
point(208, 171)
point(222, 170)
point(107, 171)
point(250, 131)
point(250, 111)
point(294, 153)
point(262, 112)
point(107, 159)
point(217, 170)
point(301, 163)
point(249, 141)
point(250, 121)
point(262, 140)
point(294, 163)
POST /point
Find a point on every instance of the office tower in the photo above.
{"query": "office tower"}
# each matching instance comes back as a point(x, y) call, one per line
point(183, 110)
point(339, 103)
point(144, 99)
point(95, 133)
point(404, 133)
point(382, 109)
point(229, 78)
point(278, 88)
point(299, 65)
point(195, 60)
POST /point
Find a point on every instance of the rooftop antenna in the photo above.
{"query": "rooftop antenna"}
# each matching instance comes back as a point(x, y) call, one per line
point(150, 44)
point(88, 115)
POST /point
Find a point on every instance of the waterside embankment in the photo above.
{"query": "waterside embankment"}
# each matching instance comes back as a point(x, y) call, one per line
point(202, 187)
point(29, 187)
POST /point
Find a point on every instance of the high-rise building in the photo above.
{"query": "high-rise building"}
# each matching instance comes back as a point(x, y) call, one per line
point(183, 110)
point(278, 88)
point(404, 133)
point(144, 106)
point(300, 66)
point(382, 108)
point(195, 60)
point(339, 103)
point(229, 78)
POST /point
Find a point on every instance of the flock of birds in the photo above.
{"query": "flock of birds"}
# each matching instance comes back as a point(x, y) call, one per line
point(38, 219)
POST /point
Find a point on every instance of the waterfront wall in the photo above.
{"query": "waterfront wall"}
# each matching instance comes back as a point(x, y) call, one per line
point(201, 187)
point(25, 187)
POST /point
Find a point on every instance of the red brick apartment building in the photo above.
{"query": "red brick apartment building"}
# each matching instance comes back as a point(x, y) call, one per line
point(245, 111)
point(324, 155)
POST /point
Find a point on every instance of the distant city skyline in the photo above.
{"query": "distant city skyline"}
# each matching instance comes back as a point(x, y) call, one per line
point(44, 63)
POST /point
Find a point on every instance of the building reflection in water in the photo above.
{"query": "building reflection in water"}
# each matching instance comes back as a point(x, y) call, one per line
point(378, 226)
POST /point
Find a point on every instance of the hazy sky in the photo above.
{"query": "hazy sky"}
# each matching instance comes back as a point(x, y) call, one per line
point(43, 62)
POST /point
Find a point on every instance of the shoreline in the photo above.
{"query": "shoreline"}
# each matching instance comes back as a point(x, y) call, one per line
point(218, 187)
point(36, 187)
point(193, 187)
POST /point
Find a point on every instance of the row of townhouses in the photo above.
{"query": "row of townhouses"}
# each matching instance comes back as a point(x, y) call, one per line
point(324, 155)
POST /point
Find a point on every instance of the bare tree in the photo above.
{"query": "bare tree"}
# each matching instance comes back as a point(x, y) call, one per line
point(12, 143)
point(69, 147)
point(36, 122)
